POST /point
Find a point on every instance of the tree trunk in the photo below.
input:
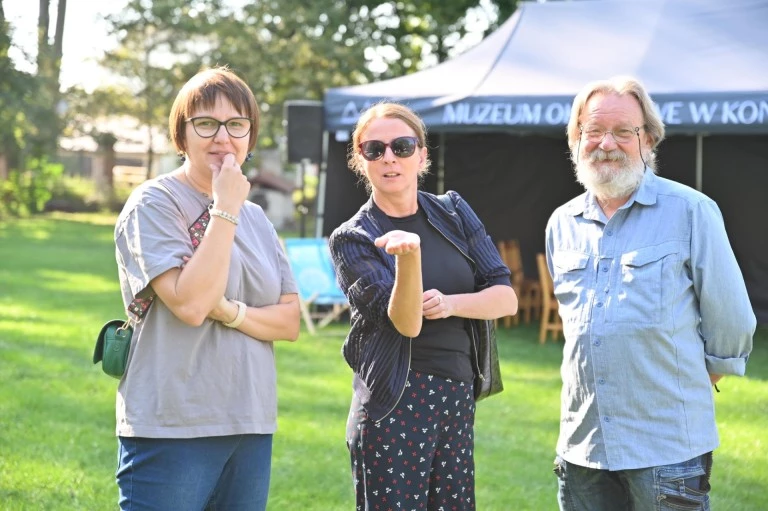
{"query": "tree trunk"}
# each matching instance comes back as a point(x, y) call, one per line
point(57, 52)
point(58, 40)
point(49, 68)
point(108, 160)
point(43, 20)
point(150, 153)
point(442, 55)
point(3, 168)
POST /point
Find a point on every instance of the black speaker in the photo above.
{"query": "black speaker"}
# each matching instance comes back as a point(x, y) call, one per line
point(304, 130)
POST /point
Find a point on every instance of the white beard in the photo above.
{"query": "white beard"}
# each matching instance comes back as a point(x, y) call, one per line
point(609, 183)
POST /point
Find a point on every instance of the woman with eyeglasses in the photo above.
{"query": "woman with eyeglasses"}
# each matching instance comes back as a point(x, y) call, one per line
point(197, 405)
point(414, 269)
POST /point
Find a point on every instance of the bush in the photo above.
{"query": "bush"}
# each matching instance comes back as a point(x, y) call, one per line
point(27, 191)
point(73, 195)
point(80, 195)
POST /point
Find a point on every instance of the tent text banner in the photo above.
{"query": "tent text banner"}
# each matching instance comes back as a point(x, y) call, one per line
point(743, 114)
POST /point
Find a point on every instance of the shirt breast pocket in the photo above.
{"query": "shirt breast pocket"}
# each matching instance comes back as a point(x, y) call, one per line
point(640, 295)
point(571, 280)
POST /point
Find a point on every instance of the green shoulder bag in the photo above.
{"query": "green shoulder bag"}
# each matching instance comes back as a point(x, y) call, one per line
point(113, 344)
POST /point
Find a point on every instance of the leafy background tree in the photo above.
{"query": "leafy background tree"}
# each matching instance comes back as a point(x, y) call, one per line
point(284, 49)
point(29, 120)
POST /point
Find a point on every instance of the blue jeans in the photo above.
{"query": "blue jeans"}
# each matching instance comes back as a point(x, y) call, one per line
point(211, 473)
point(680, 486)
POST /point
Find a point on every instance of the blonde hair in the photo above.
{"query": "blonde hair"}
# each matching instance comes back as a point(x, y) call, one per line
point(385, 110)
point(622, 86)
point(202, 91)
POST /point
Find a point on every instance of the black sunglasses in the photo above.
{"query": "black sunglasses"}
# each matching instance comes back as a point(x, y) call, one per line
point(402, 147)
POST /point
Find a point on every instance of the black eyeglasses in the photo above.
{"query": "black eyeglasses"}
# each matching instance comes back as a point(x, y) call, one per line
point(402, 147)
point(207, 127)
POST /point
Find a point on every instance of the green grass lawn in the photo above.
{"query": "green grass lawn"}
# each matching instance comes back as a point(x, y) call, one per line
point(58, 284)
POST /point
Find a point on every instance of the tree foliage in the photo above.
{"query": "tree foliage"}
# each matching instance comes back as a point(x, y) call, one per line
point(28, 116)
point(29, 123)
point(285, 49)
point(405, 35)
point(12, 92)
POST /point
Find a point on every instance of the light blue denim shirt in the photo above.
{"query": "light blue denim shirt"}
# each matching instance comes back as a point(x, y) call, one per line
point(652, 301)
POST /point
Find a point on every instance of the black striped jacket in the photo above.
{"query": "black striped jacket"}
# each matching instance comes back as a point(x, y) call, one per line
point(377, 353)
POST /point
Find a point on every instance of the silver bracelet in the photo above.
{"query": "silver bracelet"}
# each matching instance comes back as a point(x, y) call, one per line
point(223, 214)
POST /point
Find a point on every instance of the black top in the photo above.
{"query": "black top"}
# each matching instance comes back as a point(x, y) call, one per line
point(377, 353)
point(442, 347)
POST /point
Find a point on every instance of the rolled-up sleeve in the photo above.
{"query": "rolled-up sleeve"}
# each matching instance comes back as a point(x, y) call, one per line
point(151, 239)
point(727, 320)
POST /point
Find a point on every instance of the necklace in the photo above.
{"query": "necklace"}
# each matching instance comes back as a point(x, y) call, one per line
point(191, 182)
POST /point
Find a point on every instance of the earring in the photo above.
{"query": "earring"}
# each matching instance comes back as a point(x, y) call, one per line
point(182, 157)
point(248, 156)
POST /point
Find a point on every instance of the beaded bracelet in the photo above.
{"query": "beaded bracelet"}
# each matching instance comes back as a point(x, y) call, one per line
point(241, 308)
point(223, 214)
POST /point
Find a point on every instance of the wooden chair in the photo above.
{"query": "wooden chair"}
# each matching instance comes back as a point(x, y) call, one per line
point(550, 317)
point(528, 291)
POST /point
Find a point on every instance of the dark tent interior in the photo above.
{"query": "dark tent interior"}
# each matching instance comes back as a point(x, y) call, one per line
point(515, 182)
point(514, 176)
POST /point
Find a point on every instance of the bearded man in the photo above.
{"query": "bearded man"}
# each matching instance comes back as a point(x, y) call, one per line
point(655, 312)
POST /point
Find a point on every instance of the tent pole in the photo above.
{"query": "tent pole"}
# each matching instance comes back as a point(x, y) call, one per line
point(320, 197)
point(441, 165)
point(699, 161)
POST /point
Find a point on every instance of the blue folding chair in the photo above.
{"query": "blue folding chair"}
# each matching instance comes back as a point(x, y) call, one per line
point(310, 261)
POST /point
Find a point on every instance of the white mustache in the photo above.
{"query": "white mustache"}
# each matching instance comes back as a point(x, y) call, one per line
point(599, 155)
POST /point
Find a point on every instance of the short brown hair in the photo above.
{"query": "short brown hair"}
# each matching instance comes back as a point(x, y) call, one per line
point(201, 91)
point(390, 111)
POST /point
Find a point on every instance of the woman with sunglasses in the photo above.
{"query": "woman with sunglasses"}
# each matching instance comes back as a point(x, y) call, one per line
point(413, 271)
point(197, 405)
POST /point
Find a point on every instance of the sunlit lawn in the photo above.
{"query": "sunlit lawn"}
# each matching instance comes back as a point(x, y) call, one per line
point(58, 284)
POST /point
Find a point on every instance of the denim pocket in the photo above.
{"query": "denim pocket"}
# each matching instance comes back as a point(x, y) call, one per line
point(684, 486)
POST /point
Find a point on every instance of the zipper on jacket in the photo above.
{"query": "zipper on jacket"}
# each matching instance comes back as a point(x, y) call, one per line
point(402, 391)
point(474, 265)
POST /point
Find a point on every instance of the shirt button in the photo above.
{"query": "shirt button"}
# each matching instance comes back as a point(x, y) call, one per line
point(605, 268)
point(607, 419)
point(599, 304)
point(601, 381)
point(597, 342)
point(609, 233)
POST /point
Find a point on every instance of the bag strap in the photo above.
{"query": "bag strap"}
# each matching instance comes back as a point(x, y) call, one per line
point(139, 306)
point(448, 204)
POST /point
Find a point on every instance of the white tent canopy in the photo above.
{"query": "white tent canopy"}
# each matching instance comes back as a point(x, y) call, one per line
point(703, 61)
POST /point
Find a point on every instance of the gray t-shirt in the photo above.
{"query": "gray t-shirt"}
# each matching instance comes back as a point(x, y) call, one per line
point(184, 381)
